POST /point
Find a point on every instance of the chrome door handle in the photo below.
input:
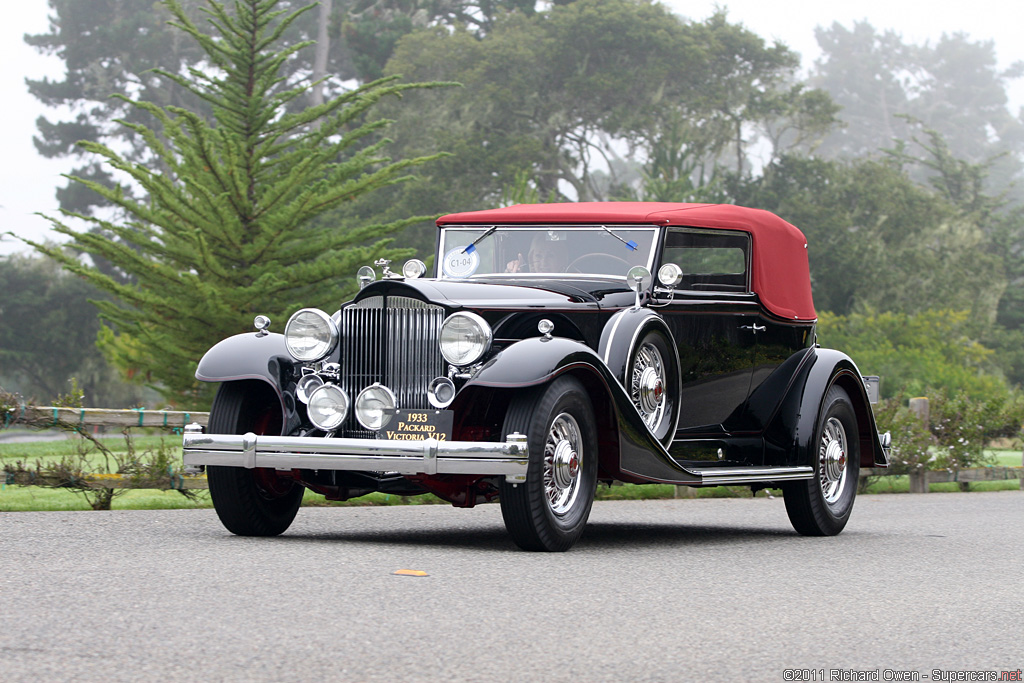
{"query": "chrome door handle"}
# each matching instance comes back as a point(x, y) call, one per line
point(756, 328)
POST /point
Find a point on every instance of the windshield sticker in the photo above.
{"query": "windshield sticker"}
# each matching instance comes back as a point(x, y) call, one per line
point(461, 262)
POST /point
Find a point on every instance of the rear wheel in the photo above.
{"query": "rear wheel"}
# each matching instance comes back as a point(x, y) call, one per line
point(250, 502)
point(821, 506)
point(549, 511)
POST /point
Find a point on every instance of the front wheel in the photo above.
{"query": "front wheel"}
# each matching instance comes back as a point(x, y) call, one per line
point(549, 511)
point(250, 502)
point(821, 506)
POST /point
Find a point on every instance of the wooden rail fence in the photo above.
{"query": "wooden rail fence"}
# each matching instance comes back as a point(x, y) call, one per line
point(80, 418)
point(175, 419)
point(102, 417)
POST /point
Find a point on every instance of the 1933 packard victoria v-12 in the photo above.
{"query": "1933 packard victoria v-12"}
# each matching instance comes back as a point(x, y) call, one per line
point(541, 359)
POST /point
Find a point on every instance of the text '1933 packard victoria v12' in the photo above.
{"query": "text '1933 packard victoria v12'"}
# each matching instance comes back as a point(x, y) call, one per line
point(542, 359)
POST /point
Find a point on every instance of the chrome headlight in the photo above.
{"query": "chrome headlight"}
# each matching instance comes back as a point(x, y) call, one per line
point(465, 338)
point(328, 406)
point(310, 335)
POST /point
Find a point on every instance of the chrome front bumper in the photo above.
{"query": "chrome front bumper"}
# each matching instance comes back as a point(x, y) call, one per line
point(508, 458)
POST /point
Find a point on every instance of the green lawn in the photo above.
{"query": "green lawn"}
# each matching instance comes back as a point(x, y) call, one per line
point(55, 449)
point(23, 498)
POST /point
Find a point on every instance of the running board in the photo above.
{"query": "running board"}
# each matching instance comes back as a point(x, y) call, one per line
point(719, 476)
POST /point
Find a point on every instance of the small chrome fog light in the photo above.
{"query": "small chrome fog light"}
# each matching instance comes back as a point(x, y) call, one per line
point(670, 275)
point(441, 392)
point(306, 386)
point(328, 406)
point(371, 404)
point(414, 268)
point(365, 276)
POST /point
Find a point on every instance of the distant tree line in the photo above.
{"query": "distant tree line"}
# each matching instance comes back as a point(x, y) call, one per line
point(898, 161)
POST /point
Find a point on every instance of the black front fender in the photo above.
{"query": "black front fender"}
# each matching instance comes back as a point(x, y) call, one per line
point(537, 361)
point(247, 356)
point(533, 361)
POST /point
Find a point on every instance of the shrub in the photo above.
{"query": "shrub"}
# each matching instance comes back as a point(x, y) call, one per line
point(958, 429)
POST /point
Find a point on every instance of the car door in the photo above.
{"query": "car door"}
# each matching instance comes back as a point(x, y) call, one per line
point(714, 319)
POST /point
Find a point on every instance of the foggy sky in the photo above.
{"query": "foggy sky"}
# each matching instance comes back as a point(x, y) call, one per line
point(27, 180)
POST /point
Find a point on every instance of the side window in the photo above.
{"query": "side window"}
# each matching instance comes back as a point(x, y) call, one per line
point(710, 261)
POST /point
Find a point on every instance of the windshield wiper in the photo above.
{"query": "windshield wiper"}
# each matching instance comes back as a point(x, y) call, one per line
point(472, 245)
point(633, 246)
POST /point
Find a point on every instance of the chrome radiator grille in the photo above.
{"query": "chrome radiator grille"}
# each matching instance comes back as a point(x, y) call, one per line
point(395, 345)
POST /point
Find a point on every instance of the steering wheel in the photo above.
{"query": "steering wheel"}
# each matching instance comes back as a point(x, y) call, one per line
point(603, 263)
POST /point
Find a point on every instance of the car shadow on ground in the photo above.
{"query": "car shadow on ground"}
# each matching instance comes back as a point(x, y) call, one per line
point(636, 535)
point(598, 536)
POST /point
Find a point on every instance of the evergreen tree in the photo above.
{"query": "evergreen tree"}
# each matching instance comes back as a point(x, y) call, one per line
point(227, 229)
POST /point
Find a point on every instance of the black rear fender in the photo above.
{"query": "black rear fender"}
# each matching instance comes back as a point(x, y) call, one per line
point(800, 410)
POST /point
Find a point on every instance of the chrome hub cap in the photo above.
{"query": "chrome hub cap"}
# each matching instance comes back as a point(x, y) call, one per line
point(563, 457)
point(651, 390)
point(832, 460)
point(647, 385)
point(565, 465)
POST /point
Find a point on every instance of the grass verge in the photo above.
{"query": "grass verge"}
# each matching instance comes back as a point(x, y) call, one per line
point(34, 498)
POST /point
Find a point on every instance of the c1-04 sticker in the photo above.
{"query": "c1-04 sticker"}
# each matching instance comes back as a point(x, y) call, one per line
point(461, 262)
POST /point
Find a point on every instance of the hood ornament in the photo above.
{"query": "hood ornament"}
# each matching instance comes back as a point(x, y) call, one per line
point(385, 270)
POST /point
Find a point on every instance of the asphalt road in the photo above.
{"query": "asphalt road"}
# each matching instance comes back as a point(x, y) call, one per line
point(656, 591)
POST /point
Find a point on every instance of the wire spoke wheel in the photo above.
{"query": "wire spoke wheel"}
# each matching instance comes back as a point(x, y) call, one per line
point(549, 511)
point(647, 385)
point(563, 452)
point(821, 506)
point(250, 502)
point(832, 461)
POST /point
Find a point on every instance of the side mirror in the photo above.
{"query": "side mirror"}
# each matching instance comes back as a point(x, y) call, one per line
point(639, 279)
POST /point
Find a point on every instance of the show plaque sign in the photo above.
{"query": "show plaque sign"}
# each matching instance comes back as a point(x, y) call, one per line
point(418, 425)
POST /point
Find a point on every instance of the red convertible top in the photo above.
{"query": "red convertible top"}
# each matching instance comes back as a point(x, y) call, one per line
point(779, 270)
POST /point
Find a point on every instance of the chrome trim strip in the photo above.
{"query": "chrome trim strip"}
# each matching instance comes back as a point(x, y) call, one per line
point(611, 335)
point(429, 456)
point(717, 476)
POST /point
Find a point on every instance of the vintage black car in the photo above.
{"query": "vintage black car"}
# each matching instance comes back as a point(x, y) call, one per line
point(542, 359)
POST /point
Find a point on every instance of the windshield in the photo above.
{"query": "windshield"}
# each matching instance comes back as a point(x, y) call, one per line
point(487, 250)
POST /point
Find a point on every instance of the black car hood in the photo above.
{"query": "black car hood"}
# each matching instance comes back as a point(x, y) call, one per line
point(517, 292)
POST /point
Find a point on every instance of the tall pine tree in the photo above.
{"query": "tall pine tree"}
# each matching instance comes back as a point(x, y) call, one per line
point(227, 226)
